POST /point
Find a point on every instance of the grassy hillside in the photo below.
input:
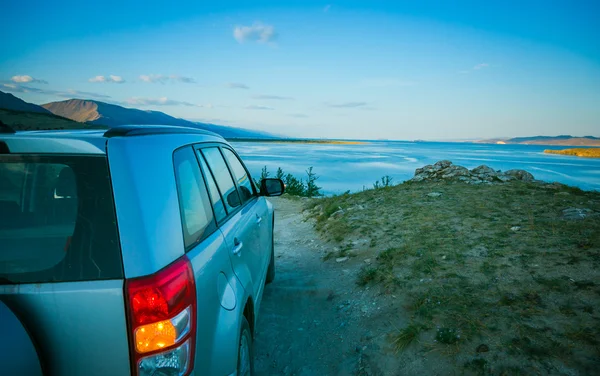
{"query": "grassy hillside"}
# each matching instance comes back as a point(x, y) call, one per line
point(497, 279)
point(579, 152)
point(19, 120)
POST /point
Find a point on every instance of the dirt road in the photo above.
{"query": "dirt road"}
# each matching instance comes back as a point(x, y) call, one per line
point(309, 317)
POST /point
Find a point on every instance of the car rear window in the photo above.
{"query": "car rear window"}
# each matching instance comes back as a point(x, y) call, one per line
point(57, 220)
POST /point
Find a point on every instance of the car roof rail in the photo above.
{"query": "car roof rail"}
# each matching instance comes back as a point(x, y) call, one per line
point(146, 130)
point(6, 129)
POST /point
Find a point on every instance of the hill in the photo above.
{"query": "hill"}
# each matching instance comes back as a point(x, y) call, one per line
point(111, 115)
point(566, 140)
point(10, 102)
point(454, 277)
point(29, 121)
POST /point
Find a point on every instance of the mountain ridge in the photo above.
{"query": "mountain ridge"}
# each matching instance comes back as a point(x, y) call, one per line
point(11, 102)
point(112, 115)
point(86, 113)
point(564, 140)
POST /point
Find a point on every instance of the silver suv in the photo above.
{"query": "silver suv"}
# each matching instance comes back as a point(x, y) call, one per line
point(141, 250)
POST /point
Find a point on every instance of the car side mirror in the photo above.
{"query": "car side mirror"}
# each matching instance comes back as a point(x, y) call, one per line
point(271, 187)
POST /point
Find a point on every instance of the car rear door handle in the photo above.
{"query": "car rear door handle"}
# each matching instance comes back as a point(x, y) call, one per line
point(258, 219)
point(237, 246)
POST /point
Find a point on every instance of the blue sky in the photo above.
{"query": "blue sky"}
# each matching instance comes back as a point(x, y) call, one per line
point(407, 70)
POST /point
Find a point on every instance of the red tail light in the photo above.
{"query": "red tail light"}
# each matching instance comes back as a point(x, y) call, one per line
point(162, 320)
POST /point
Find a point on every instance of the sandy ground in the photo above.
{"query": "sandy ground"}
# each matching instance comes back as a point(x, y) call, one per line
point(313, 319)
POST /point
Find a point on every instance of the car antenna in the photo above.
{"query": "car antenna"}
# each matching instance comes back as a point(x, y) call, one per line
point(5, 128)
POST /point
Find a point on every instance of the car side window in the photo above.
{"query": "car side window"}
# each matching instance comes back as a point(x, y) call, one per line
point(246, 188)
point(223, 177)
point(196, 212)
point(215, 195)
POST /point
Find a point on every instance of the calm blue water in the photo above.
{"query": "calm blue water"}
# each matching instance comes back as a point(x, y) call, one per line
point(350, 167)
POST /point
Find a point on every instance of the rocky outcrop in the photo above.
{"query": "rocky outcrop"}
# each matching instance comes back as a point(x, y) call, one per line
point(446, 171)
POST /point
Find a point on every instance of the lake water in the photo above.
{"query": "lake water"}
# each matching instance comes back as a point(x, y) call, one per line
point(352, 167)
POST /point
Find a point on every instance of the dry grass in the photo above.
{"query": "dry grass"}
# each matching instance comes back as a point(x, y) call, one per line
point(481, 264)
point(579, 152)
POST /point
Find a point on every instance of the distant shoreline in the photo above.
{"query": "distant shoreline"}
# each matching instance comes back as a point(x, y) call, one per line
point(299, 141)
point(577, 152)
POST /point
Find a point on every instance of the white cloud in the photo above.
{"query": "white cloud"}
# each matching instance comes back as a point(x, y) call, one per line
point(162, 101)
point(116, 79)
point(70, 93)
point(255, 107)
point(110, 79)
point(256, 33)
point(327, 7)
point(236, 85)
point(272, 97)
point(298, 115)
point(346, 104)
point(97, 79)
point(162, 79)
point(27, 79)
point(481, 66)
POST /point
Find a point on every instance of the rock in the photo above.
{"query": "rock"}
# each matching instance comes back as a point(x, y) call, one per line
point(505, 178)
point(338, 213)
point(515, 228)
point(341, 259)
point(359, 242)
point(434, 194)
point(576, 214)
point(367, 261)
point(442, 164)
point(519, 175)
point(453, 171)
point(485, 173)
point(477, 251)
point(446, 171)
point(482, 348)
point(483, 170)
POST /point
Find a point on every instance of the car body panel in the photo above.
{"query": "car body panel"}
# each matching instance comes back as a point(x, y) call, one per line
point(220, 299)
point(241, 228)
point(147, 206)
point(19, 355)
point(63, 142)
point(80, 327)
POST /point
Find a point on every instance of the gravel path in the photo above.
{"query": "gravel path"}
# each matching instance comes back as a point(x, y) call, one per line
point(305, 324)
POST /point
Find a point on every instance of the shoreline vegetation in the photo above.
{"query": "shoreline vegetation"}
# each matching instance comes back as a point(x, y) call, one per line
point(494, 272)
point(577, 152)
point(294, 186)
